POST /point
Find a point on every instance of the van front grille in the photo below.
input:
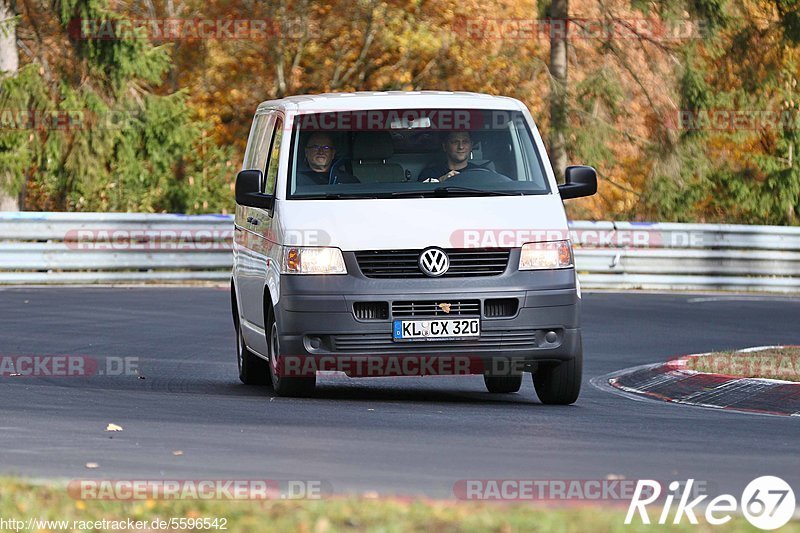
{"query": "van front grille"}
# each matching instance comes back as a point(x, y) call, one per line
point(465, 262)
point(371, 310)
point(436, 308)
point(500, 307)
point(516, 339)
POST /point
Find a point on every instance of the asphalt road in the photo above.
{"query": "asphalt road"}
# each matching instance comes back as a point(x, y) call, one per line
point(401, 435)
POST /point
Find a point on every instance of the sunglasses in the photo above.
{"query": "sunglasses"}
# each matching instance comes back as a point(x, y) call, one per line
point(318, 147)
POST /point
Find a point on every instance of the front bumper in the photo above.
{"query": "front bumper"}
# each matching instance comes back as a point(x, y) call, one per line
point(316, 318)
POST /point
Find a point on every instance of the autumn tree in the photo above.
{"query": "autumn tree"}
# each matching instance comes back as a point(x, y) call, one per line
point(9, 63)
point(735, 156)
point(84, 127)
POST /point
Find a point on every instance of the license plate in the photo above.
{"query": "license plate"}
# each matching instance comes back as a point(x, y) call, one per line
point(436, 329)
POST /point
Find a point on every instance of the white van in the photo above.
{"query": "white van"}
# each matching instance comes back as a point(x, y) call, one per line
point(405, 233)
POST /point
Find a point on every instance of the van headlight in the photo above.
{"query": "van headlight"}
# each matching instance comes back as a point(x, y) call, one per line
point(299, 260)
point(546, 255)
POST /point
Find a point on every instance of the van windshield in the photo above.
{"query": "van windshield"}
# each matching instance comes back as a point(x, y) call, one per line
point(397, 153)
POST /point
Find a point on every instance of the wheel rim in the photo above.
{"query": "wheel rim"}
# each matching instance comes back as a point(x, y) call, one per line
point(273, 351)
point(239, 348)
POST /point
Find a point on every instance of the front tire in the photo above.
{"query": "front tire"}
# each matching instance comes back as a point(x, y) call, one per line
point(560, 384)
point(293, 386)
point(502, 384)
point(252, 369)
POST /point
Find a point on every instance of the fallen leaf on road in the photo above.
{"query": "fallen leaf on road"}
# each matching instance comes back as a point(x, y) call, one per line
point(92, 465)
point(113, 427)
point(177, 452)
point(323, 525)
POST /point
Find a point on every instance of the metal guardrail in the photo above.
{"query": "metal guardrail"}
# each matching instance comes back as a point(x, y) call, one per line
point(629, 255)
point(44, 248)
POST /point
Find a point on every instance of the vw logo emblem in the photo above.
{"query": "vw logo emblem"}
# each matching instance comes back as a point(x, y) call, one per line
point(434, 262)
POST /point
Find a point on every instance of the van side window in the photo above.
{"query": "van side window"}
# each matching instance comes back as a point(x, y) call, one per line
point(257, 144)
point(275, 150)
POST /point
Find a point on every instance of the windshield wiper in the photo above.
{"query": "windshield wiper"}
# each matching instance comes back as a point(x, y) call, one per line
point(334, 196)
point(449, 189)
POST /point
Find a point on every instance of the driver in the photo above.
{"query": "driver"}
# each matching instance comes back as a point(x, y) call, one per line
point(457, 146)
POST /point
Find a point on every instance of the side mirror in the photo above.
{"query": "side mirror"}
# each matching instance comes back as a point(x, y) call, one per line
point(248, 190)
point(580, 181)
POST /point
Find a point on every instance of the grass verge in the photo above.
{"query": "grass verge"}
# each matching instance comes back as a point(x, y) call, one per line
point(772, 363)
point(20, 500)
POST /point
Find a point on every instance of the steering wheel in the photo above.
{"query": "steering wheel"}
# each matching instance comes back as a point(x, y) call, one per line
point(464, 175)
point(335, 165)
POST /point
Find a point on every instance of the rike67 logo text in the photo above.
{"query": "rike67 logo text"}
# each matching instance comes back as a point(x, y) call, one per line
point(767, 502)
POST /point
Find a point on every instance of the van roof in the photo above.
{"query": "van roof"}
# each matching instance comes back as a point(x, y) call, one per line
point(391, 100)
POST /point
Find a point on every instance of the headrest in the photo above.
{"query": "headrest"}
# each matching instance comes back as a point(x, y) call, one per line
point(373, 145)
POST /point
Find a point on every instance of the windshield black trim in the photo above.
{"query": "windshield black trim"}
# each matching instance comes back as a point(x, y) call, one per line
point(415, 195)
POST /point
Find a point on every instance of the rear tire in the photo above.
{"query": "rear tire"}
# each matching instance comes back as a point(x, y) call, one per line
point(502, 384)
point(252, 369)
point(559, 384)
point(292, 386)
